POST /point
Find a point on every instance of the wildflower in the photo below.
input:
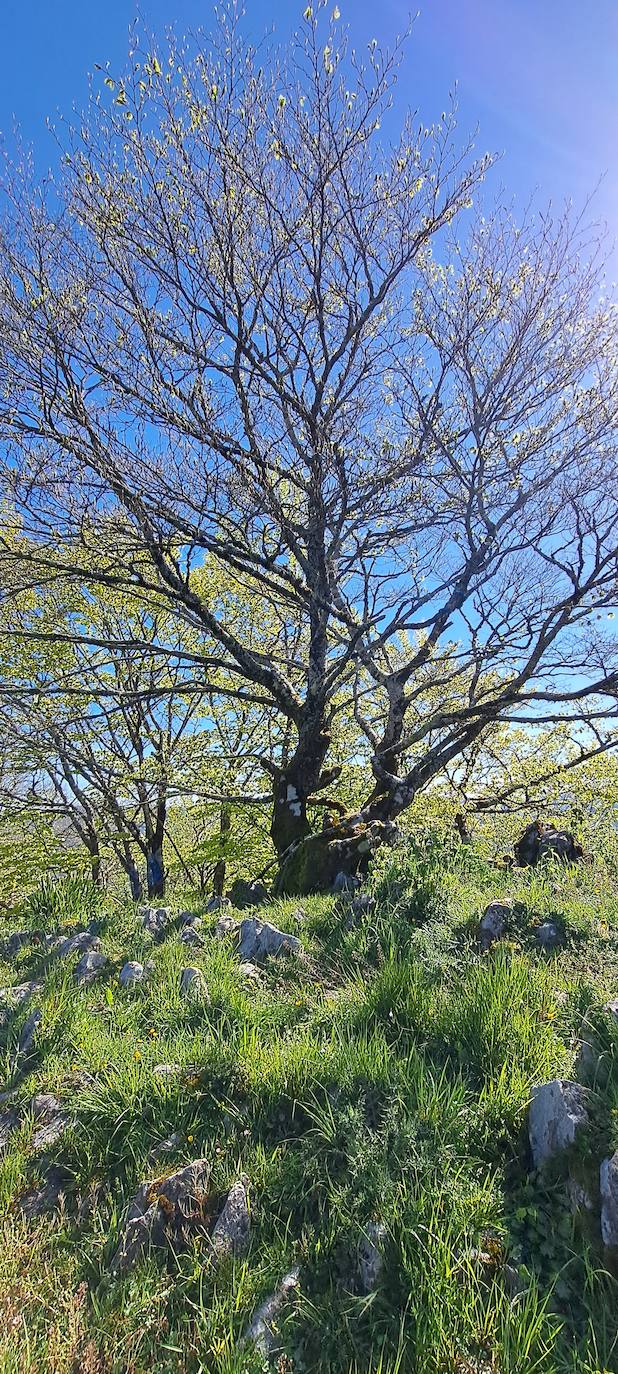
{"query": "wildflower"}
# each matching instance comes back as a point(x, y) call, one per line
point(136, 1054)
point(190, 1139)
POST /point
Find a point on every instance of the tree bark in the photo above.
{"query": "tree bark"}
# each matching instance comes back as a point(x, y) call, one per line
point(225, 825)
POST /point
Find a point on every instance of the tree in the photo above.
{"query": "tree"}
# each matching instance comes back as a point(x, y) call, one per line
point(254, 334)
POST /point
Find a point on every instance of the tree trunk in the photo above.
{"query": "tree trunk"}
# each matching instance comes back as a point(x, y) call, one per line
point(225, 825)
point(155, 871)
point(296, 783)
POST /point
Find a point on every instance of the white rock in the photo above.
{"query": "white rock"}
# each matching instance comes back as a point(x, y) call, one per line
point(217, 904)
point(258, 939)
point(130, 973)
point(231, 1232)
point(89, 966)
point(558, 1112)
point(193, 983)
point(154, 920)
point(262, 1329)
point(494, 921)
point(80, 943)
point(609, 1201)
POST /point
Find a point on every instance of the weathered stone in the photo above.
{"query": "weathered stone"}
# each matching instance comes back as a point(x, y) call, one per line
point(154, 920)
point(244, 894)
point(251, 971)
point(345, 882)
point(89, 967)
point(9, 1121)
point(190, 935)
point(167, 1070)
point(189, 918)
point(540, 841)
point(371, 1256)
point(262, 1330)
point(165, 1147)
point(16, 941)
point(193, 984)
point(363, 903)
point(48, 1197)
point(558, 1112)
point(549, 935)
point(227, 925)
point(258, 939)
point(494, 921)
point(217, 904)
point(131, 973)
point(29, 1031)
point(19, 994)
point(609, 1201)
point(149, 967)
point(578, 1196)
point(231, 1231)
point(164, 1212)
point(80, 943)
point(50, 1120)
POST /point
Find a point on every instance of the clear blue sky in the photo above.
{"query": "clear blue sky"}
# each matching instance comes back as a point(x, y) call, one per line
point(540, 77)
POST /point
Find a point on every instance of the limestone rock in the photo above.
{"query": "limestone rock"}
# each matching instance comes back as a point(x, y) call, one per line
point(193, 984)
point(167, 1070)
point(131, 973)
point(251, 971)
point(558, 1112)
point(16, 941)
point(371, 1256)
point(190, 934)
point(262, 1329)
point(29, 1030)
point(540, 841)
point(345, 882)
point(188, 918)
point(227, 925)
point(231, 1231)
point(164, 1212)
point(245, 894)
point(90, 965)
point(51, 1121)
point(154, 920)
point(217, 904)
point(609, 1201)
point(48, 1197)
point(19, 994)
point(549, 935)
point(494, 922)
point(258, 939)
point(80, 943)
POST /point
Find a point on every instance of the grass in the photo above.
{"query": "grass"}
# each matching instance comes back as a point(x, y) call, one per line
point(386, 1077)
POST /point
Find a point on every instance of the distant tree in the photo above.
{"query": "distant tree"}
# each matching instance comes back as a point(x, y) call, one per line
point(252, 332)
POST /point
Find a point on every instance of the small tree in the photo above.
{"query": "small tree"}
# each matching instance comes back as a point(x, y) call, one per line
point(260, 336)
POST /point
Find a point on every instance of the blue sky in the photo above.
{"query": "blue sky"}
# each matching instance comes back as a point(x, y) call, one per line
point(540, 77)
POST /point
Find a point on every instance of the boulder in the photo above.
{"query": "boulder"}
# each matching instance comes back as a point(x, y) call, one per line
point(262, 1329)
point(244, 894)
point(187, 918)
point(190, 934)
point(540, 841)
point(217, 904)
point(227, 925)
point(258, 939)
point(494, 922)
point(154, 920)
point(558, 1112)
point(193, 984)
point(609, 1201)
point(371, 1256)
point(89, 966)
point(131, 973)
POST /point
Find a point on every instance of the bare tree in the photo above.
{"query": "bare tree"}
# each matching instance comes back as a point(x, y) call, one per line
point(253, 333)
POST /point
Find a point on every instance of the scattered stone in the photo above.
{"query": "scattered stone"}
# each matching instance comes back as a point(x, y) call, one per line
point(131, 973)
point(48, 1197)
point(299, 915)
point(494, 922)
point(190, 935)
point(167, 1070)
point(549, 935)
point(609, 1201)
point(164, 1213)
point(231, 1231)
point(258, 939)
point(28, 1033)
point(243, 894)
point(557, 1113)
point(371, 1256)
point(154, 920)
point(9, 1121)
point(540, 841)
point(193, 984)
point(188, 918)
point(251, 971)
point(50, 1120)
point(16, 941)
point(80, 943)
point(89, 966)
point(217, 904)
point(227, 925)
point(363, 903)
point(262, 1329)
point(19, 994)
point(149, 967)
point(345, 882)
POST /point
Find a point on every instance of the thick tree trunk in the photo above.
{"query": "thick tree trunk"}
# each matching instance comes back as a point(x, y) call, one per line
point(296, 783)
point(155, 871)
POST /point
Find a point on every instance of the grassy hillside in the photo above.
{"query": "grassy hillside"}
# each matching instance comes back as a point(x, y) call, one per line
point(383, 1078)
